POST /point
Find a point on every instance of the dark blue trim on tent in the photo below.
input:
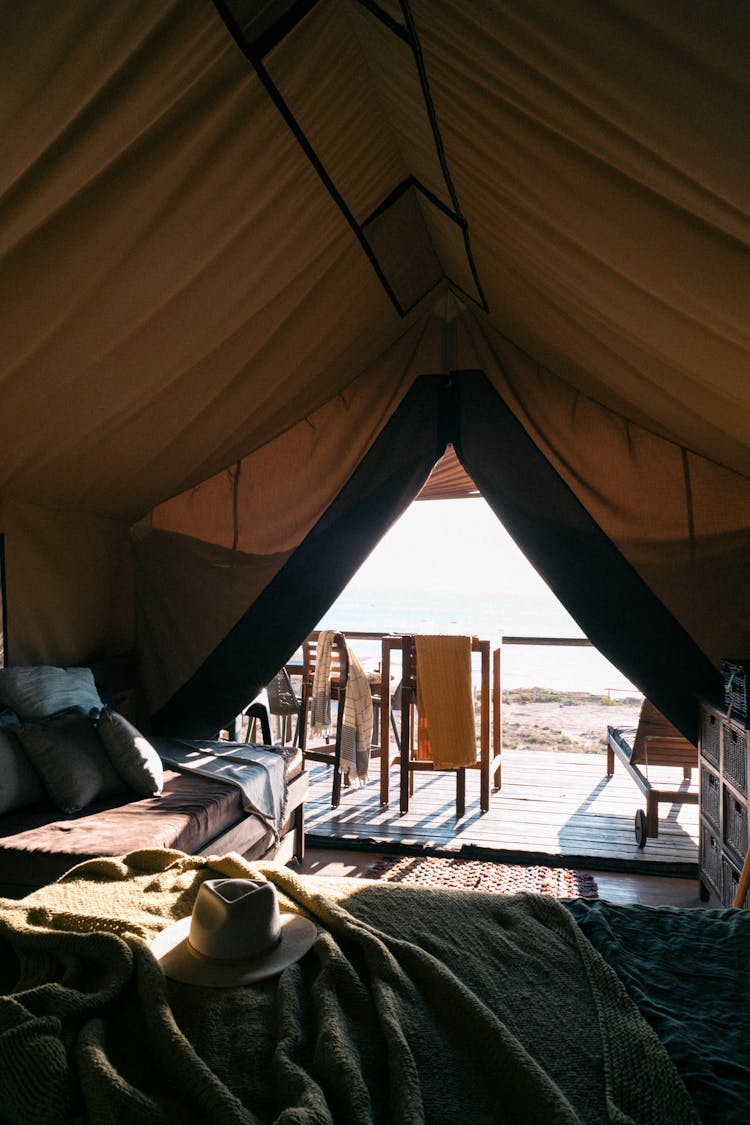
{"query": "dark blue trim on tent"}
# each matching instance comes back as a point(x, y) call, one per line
point(615, 608)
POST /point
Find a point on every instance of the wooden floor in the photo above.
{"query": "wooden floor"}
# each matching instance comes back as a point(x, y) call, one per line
point(552, 807)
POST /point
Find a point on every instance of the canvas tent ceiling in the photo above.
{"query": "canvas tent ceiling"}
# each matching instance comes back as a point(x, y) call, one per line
point(236, 238)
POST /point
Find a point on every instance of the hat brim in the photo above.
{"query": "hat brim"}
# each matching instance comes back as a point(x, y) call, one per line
point(179, 962)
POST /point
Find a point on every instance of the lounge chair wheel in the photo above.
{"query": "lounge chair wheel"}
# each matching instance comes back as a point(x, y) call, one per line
point(640, 828)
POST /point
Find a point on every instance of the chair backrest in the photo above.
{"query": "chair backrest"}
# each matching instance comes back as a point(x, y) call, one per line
point(339, 661)
point(658, 743)
point(408, 665)
point(409, 662)
point(338, 682)
point(281, 697)
point(458, 720)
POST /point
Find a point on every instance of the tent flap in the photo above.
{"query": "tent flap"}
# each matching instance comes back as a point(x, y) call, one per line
point(384, 483)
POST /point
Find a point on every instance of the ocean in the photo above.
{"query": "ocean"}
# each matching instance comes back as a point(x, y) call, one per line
point(487, 617)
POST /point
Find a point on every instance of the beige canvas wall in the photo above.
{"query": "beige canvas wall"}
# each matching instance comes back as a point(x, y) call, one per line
point(206, 554)
point(69, 585)
point(681, 519)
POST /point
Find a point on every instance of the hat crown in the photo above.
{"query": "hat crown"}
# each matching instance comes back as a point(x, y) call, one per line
point(235, 919)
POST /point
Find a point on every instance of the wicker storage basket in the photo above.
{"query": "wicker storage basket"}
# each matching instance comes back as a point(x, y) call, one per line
point(735, 674)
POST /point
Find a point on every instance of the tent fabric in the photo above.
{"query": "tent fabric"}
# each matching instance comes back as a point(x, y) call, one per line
point(679, 519)
point(448, 480)
point(239, 527)
point(295, 599)
point(614, 606)
point(235, 238)
point(70, 576)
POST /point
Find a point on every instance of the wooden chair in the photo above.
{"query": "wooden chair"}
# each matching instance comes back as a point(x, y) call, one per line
point(278, 701)
point(256, 714)
point(284, 706)
point(486, 763)
point(326, 751)
point(655, 742)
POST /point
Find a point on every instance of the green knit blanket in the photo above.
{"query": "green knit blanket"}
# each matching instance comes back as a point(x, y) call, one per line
point(414, 1005)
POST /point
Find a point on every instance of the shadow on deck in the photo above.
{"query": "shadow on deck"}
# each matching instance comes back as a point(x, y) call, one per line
point(554, 807)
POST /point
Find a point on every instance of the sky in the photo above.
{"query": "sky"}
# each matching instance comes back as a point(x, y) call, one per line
point(442, 545)
point(459, 546)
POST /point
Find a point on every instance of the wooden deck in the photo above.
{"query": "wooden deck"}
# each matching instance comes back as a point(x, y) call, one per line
point(554, 807)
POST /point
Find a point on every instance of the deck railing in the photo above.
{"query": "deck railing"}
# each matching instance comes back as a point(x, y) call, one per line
point(497, 695)
point(295, 667)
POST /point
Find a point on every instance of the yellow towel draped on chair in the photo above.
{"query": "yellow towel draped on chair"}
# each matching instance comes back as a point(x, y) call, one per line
point(445, 701)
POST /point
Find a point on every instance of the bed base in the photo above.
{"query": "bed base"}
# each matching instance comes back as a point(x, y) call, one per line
point(251, 839)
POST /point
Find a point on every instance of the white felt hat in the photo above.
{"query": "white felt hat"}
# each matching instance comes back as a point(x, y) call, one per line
point(235, 935)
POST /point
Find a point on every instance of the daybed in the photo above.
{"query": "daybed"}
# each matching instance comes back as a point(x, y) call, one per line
point(43, 837)
point(197, 815)
point(413, 1005)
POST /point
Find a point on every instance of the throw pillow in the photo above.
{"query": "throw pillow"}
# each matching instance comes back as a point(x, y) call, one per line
point(69, 758)
point(20, 784)
point(131, 754)
point(38, 692)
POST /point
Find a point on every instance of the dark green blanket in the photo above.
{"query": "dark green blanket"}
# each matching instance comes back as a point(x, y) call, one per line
point(413, 1006)
point(689, 973)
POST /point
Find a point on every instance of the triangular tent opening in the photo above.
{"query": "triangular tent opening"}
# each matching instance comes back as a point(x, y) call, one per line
point(613, 605)
point(448, 564)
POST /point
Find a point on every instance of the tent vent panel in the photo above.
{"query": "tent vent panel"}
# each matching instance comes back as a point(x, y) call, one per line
point(448, 480)
point(263, 25)
point(400, 240)
point(364, 118)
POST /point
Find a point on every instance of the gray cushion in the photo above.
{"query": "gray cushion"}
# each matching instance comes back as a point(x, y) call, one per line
point(71, 761)
point(131, 754)
point(40, 691)
point(20, 784)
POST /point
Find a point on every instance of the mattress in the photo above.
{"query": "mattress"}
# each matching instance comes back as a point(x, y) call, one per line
point(191, 812)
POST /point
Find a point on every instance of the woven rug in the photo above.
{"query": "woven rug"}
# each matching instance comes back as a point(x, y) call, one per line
point(483, 875)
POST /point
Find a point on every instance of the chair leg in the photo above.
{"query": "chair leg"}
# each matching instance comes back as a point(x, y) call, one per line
point(336, 790)
point(257, 712)
point(299, 832)
point(484, 787)
point(406, 773)
point(404, 797)
point(610, 761)
point(460, 793)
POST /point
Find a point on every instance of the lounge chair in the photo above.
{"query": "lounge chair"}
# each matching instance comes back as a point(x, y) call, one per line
point(655, 742)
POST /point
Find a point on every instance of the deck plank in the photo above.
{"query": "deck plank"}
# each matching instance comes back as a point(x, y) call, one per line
point(553, 806)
